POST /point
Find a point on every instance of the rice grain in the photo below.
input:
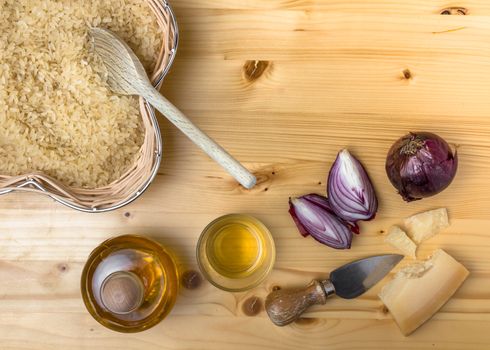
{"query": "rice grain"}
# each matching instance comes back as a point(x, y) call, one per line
point(57, 114)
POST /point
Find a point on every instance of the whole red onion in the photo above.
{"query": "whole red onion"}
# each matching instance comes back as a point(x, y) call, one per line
point(420, 165)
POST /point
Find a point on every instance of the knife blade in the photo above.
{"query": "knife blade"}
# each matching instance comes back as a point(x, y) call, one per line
point(353, 279)
point(348, 281)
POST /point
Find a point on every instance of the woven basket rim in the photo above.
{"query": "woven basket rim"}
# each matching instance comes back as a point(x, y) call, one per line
point(96, 200)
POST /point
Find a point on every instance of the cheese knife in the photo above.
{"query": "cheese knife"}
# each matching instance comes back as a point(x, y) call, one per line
point(348, 281)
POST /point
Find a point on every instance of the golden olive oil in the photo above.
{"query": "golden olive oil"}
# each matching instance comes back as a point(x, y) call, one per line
point(236, 252)
point(129, 283)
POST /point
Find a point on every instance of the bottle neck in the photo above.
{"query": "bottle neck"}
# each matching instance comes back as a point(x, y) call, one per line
point(122, 292)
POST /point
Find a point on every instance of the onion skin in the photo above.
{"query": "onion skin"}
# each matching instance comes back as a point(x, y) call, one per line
point(313, 216)
point(350, 192)
point(421, 165)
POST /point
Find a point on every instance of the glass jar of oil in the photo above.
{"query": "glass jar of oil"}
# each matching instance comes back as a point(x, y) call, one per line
point(236, 252)
point(129, 283)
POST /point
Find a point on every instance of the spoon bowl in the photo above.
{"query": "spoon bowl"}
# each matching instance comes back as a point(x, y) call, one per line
point(120, 61)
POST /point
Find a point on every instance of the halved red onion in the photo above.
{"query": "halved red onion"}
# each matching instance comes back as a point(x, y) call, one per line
point(350, 192)
point(323, 202)
point(313, 216)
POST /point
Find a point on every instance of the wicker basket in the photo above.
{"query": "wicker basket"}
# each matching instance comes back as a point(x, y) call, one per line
point(136, 179)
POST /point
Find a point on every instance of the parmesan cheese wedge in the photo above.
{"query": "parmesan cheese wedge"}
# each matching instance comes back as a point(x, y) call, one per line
point(399, 239)
point(417, 292)
point(427, 224)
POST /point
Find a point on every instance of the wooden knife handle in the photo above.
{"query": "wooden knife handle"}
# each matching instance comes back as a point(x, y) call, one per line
point(286, 306)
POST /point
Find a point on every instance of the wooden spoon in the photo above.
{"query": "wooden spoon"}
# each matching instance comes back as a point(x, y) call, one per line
point(126, 76)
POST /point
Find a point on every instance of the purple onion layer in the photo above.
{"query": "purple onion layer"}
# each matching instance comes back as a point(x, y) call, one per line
point(313, 216)
point(350, 192)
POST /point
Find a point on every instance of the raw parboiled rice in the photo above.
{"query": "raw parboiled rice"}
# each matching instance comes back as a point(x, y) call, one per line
point(57, 114)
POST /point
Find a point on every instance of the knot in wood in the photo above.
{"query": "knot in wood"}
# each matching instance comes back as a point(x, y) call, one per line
point(254, 69)
point(191, 279)
point(459, 11)
point(252, 306)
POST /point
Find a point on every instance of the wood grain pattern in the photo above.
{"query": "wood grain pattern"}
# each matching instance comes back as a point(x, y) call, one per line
point(333, 74)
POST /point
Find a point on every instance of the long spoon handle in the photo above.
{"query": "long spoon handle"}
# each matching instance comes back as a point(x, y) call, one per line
point(211, 148)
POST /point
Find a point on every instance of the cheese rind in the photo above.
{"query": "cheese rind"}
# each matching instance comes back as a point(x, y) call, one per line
point(425, 225)
point(417, 292)
point(399, 239)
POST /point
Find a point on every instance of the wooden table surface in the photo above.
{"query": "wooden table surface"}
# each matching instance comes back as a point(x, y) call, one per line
point(283, 85)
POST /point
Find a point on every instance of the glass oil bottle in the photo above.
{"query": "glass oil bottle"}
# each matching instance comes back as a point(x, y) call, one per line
point(130, 283)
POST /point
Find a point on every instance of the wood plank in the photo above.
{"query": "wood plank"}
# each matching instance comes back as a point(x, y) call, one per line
point(414, 7)
point(335, 76)
point(207, 306)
